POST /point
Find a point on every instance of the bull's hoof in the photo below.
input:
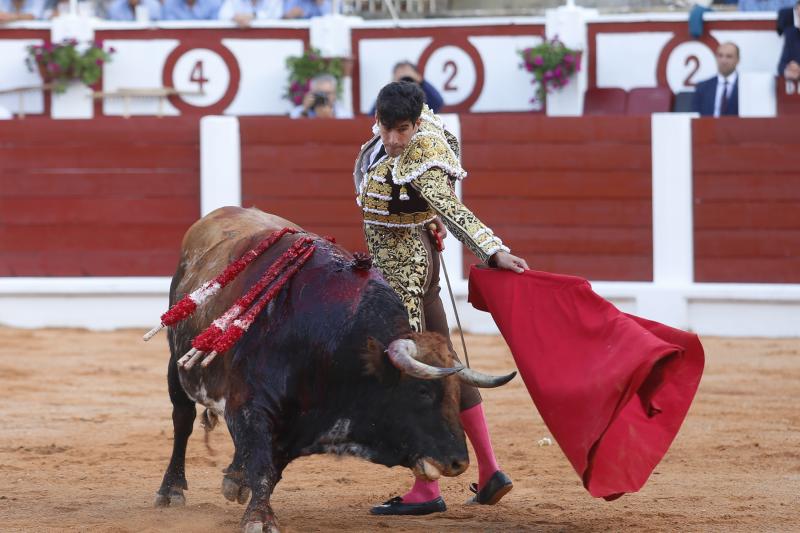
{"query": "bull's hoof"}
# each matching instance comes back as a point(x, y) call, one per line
point(234, 491)
point(174, 498)
point(259, 527)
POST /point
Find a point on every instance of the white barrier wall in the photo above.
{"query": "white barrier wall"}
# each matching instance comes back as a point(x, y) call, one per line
point(474, 63)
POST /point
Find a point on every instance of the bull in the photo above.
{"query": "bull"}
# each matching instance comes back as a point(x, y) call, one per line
point(330, 366)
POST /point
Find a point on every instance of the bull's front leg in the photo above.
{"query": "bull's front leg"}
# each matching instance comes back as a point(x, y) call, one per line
point(234, 481)
point(253, 435)
point(183, 415)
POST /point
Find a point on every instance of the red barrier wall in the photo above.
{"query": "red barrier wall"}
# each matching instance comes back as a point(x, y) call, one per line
point(113, 197)
point(108, 197)
point(571, 195)
point(302, 170)
point(747, 200)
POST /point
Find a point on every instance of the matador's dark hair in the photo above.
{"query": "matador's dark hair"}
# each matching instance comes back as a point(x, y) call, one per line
point(399, 101)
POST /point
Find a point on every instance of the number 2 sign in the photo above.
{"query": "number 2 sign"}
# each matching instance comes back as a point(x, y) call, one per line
point(685, 64)
point(456, 70)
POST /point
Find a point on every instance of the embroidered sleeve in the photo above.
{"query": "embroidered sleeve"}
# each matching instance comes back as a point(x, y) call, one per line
point(433, 185)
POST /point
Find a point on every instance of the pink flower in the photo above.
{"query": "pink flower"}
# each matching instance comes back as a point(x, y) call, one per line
point(569, 58)
point(98, 62)
point(557, 72)
point(99, 43)
point(538, 61)
point(112, 50)
point(48, 46)
point(548, 74)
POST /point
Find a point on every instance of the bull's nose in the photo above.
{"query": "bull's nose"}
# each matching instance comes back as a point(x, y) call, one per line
point(458, 467)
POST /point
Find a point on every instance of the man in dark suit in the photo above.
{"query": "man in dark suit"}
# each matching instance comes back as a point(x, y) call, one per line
point(789, 65)
point(719, 95)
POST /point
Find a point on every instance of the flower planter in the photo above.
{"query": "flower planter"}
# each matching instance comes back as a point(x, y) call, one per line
point(67, 67)
point(566, 101)
point(74, 103)
point(555, 71)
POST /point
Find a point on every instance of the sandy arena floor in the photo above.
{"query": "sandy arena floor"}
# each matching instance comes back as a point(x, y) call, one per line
point(85, 435)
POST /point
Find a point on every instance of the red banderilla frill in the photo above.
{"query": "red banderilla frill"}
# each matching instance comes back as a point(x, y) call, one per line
point(235, 331)
point(188, 304)
point(205, 341)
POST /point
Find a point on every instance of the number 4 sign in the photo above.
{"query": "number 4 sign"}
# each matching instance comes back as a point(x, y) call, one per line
point(197, 76)
point(206, 79)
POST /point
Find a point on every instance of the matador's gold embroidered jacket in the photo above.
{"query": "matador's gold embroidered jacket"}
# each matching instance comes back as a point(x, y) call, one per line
point(400, 195)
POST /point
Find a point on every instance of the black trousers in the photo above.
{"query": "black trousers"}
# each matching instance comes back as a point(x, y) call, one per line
point(435, 319)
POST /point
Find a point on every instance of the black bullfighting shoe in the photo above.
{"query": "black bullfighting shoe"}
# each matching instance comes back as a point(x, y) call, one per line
point(396, 506)
point(498, 486)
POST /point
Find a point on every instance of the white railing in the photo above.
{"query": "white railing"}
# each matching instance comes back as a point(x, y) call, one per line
point(387, 7)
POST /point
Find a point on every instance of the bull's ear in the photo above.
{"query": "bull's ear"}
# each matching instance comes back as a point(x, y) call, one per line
point(373, 357)
point(375, 362)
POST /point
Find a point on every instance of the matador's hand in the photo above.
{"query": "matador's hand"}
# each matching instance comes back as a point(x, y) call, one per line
point(440, 229)
point(507, 261)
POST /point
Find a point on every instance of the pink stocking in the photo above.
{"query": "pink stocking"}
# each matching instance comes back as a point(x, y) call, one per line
point(474, 423)
point(422, 491)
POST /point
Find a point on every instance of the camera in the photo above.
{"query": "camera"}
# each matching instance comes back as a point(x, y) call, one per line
point(319, 99)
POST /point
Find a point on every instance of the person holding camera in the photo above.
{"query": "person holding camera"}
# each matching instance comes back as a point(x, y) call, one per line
point(320, 100)
point(407, 71)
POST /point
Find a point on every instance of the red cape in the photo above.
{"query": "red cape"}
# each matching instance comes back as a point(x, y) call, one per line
point(612, 388)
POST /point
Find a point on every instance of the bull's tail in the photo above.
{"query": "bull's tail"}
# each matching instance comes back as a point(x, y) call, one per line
point(209, 421)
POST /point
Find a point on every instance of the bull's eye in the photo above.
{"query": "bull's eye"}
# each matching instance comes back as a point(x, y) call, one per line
point(425, 394)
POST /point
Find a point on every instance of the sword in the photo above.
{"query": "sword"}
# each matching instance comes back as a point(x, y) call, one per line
point(433, 229)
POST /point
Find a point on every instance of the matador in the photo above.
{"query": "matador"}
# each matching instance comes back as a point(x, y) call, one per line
point(404, 178)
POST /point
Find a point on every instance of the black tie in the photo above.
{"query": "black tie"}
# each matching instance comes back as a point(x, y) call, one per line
point(723, 106)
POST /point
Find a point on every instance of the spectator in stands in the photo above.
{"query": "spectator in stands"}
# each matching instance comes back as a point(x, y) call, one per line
point(789, 65)
point(191, 9)
point(243, 12)
point(14, 10)
point(719, 95)
point(407, 71)
point(305, 9)
point(126, 9)
point(320, 100)
point(764, 5)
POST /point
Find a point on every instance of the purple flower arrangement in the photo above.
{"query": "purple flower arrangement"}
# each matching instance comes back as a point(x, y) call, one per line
point(68, 60)
point(303, 68)
point(552, 65)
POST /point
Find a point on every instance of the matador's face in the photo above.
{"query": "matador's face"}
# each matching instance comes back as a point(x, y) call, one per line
point(396, 138)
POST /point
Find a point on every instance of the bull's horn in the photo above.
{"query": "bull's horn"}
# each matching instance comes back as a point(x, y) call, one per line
point(402, 352)
point(483, 381)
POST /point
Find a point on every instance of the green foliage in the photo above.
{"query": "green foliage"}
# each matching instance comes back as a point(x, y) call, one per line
point(60, 63)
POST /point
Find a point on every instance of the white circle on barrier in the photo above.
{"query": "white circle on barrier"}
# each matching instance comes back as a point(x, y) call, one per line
point(688, 64)
point(451, 70)
point(204, 72)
